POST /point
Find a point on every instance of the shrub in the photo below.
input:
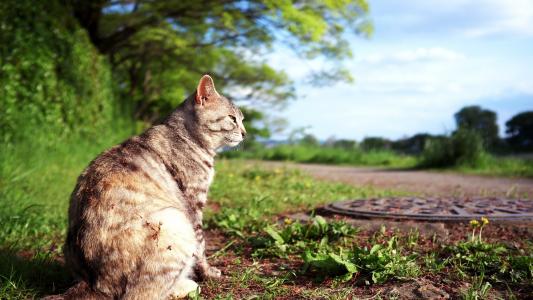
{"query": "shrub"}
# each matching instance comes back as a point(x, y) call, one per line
point(463, 148)
point(55, 84)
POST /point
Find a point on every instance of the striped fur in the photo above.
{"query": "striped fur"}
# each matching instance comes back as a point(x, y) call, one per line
point(135, 216)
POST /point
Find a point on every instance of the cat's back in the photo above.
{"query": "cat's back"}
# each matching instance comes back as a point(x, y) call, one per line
point(133, 169)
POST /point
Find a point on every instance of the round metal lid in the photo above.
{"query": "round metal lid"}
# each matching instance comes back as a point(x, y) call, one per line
point(436, 209)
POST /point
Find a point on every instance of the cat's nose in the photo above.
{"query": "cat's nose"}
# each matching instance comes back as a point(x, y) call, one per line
point(243, 133)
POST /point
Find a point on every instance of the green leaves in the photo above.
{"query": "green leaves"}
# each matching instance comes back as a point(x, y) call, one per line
point(330, 264)
point(297, 237)
point(159, 49)
point(387, 261)
point(381, 262)
point(55, 84)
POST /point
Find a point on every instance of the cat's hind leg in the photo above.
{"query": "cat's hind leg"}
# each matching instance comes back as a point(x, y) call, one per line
point(168, 265)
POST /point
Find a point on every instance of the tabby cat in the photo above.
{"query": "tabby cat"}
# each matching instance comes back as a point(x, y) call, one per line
point(135, 216)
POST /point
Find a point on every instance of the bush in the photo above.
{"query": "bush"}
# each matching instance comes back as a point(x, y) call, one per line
point(55, 84)
point(463, 148)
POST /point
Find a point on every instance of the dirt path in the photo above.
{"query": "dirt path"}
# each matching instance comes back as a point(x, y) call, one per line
point(419, 182)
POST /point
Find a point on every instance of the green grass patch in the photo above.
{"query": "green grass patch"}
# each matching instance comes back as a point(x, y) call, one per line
point(327, 155)
point(246, 202)
point(458, 154)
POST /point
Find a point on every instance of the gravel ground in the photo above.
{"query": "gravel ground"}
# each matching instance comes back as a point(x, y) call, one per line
point(419, 182)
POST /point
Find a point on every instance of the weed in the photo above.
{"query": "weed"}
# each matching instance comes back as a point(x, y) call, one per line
point(478, 290)
point(295, 237)
point(381, 262)
point(433, 263)
point(386, 261)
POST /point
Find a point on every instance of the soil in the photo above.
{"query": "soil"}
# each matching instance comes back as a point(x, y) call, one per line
point(443, 285)
point(418, 182)
point(433, 235)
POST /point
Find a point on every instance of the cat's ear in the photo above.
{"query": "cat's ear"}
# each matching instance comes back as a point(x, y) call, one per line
point(206, 92)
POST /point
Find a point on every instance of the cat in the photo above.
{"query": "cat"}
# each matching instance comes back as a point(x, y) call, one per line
point(135, 215)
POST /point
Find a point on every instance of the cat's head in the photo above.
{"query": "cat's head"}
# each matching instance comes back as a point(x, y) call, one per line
point(219, 120)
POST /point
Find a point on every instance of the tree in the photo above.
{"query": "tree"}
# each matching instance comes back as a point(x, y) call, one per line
point(309, 140)
point(412, 145)
point(254, 122)
point(158, 48)
point(375, 143)
point(520, 131)
point(482, 121)
point(345, 144)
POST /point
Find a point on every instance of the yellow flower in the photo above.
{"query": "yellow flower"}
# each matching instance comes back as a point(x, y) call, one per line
point(257, 178)
point(474, 223)
point(484, 221)
point(288, 221)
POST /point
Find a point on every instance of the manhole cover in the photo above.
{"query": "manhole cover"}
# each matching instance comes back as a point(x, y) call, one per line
point(436, 209)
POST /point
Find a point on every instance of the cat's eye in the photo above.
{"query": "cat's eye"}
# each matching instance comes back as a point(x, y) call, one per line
point(233, 119)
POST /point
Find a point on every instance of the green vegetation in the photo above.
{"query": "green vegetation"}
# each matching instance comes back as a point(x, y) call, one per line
point(35, 200)
point(457, 154)
point(159, 49)
point(466, 150)
point(79, 76)
point(333, 250)
point(327, 155)
point(245, 204)
point(55, 84)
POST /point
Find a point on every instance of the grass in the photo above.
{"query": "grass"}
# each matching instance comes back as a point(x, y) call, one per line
point(261, 256)
point(35, 185)
point(500, 166)
point(328, 155)
point(435, 159)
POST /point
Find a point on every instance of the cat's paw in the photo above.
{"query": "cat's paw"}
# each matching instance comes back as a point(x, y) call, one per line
point(212, 272)
point(184, 288)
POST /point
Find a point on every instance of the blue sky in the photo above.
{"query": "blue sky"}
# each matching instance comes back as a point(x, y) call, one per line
point(425, 61)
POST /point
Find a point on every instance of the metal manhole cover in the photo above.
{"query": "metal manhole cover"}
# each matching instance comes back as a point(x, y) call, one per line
point(436, 209)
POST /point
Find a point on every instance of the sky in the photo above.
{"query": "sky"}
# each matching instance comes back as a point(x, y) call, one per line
point(424, 62)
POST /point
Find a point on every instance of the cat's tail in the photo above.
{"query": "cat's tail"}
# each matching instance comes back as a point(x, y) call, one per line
point(81, 291)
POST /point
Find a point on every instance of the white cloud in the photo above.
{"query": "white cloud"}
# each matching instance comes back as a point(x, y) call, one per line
point(505, 17)
point(427, 60)
point(463, 17)
point(411, 56)
point(401, 92)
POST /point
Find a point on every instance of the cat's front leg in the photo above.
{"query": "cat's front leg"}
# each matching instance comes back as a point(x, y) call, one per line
point(203, 270)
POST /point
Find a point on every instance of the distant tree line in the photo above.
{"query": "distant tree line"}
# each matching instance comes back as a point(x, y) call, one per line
point(476, 120)
point(483, 122)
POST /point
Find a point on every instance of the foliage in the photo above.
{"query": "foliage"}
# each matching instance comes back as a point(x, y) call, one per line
point(33, 218)
point(375, 143)
point(481, 121)
point(344, 144)
point(474, 257)
point(160, 48)
point(256, 128)
point(295, 237)
point(386, 261)
point(520, 131)
point(238, 221)
point(413, 145)
point(478, 290)
point(381, 262)
point(463, 148)
point(240, 185)
point(477, 257)
point(55, 85)
point(326, 155)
